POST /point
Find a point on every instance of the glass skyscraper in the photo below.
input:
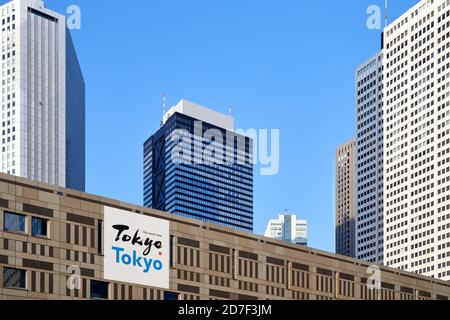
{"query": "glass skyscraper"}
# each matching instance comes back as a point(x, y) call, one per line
point(196, 166)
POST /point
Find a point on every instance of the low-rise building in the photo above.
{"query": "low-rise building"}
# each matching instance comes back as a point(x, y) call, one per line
point(57, 243)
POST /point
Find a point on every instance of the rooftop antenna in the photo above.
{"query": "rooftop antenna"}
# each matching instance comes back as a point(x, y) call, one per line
point(164, 108)
point(386, 13)
point(164, 103)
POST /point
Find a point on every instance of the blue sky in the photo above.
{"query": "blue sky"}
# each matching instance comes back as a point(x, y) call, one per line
point(285, 64)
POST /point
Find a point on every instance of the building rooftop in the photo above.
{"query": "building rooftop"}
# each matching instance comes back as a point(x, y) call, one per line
point(201, 113)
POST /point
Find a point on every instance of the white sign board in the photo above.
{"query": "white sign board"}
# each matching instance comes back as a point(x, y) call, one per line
point(137, 248)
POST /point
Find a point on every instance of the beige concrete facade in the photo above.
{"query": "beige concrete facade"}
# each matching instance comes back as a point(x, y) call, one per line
point(346, 199)
point(210, 262)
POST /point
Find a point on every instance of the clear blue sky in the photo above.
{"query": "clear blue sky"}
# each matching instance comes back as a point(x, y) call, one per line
point(285, 64)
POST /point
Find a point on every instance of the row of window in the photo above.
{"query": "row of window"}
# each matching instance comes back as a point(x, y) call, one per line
point(14, 222)
point(17, 279)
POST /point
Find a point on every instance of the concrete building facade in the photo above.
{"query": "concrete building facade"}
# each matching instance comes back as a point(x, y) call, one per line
point(346, 198)
point(416, 103)
point(369, 160)
point(288, 228)
point(63, 231)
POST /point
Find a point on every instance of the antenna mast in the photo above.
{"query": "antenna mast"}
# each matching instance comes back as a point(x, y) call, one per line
point(386, 14)
point(164, 103)
point(164, 108)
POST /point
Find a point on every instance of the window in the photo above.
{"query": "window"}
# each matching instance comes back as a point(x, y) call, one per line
point(171, 251)
point(14, 222)
point(43, 15)
point(100, 237)
point(14, 278)
point(99, 290)
point(39, 227)
point(170, 296)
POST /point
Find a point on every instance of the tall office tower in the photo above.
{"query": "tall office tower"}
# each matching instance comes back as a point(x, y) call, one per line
point(43, 106)
point(369, 160)
point(416, 100)
point(196, 166)
point(346, 198)
point(288, 228)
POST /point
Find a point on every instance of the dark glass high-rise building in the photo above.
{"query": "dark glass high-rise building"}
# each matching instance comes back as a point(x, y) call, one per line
point(196, 166)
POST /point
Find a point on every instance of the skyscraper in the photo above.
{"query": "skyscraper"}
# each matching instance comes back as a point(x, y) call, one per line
point(196, 166)
point(288, 228)
point(369, 160)
point(345, 198)
point(416, 103)
point(43, 97)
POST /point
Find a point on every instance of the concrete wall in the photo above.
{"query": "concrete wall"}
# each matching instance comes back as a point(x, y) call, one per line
point(253, 267)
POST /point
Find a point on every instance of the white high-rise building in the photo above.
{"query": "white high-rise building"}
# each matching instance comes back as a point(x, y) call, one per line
point(43, 97)
point(416, 99)
point(288, 228)
point(369, 160)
